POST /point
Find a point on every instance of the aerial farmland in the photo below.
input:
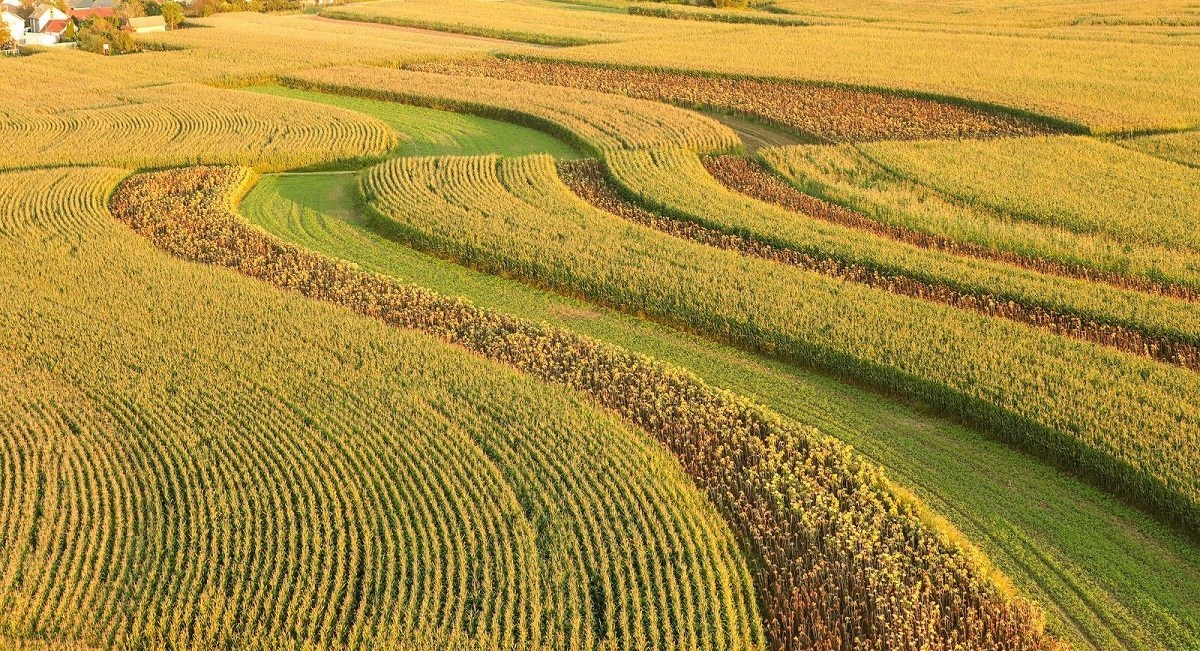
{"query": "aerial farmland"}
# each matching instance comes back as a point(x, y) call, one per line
point(600, 325)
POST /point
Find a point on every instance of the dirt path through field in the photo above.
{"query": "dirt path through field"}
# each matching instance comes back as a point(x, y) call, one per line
point(758, 135)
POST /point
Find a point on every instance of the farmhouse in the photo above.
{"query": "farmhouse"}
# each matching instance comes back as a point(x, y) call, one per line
point(13, 23)
point(80, 15)
point(46, 25)
point(146, 24)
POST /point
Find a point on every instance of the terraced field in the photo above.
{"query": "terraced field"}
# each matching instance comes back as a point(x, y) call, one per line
point(605, 324)
point(1082, 556)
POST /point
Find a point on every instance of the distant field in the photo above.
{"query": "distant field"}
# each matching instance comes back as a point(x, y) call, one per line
point(1123, 83)
point(430, 132)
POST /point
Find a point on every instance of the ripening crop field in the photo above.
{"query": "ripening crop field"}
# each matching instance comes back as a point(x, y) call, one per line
point(600, 325)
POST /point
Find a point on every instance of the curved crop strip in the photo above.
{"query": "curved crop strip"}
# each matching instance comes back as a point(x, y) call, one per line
point(842, 559)
point(685, 12)
point(860, 193)
point(595, 122)
point(1129, 424)
point(190, 459)
point(586, 179)
point(188, 124)
point(828, 113)
point(1081, 185)
point(515, 36)
point(61, 200)
point(677, 184)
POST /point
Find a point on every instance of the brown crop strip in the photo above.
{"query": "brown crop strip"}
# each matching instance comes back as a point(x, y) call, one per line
point(842, 559)
point(830, 113)
point(586, 178)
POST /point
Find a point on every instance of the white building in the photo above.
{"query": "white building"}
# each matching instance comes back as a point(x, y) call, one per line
point(14, 24)
point(45, 26)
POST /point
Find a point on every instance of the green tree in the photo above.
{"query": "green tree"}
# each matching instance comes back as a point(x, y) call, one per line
point(172, 13)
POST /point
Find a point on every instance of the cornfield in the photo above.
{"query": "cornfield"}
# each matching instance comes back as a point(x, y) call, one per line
point(1133, 426)
point(676, 183)
point(595, 122)
point(187, 124)
point(841, 559)
point(196, 460)
point(844, 186)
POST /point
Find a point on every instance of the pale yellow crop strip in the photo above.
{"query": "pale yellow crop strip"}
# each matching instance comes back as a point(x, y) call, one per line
point(847, 176)
point(1078, 184)
point(189, 124)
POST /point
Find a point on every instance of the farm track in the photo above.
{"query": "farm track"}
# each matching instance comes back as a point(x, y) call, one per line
point(752, 179)
point(802, 503)
point(586, 178)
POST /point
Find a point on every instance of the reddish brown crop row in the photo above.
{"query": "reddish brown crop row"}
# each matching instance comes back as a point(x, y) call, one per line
point(841, 559)
point(586, 178)
point(829, 113)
